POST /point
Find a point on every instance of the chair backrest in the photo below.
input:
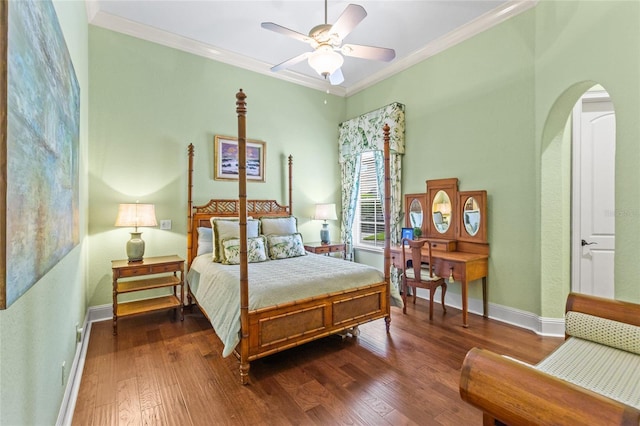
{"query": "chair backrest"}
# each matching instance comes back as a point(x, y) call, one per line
point(414, 248)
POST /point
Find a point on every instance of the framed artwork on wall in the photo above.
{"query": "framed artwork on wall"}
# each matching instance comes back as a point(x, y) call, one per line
point(225, 159)
point(39, 140)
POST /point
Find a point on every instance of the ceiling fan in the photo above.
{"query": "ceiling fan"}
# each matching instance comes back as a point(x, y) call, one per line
point(326, 41)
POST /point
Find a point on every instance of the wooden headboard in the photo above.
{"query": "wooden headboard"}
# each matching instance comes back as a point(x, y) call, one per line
point(200, 216)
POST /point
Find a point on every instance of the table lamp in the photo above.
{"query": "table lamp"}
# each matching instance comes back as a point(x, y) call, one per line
point(136, 215)
point(325, 212)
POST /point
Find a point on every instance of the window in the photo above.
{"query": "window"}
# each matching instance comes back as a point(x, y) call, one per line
point(368, 225)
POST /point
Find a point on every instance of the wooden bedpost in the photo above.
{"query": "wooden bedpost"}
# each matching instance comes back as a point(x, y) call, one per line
point(190, 209)
point(241, 110)
point(290, 186)
point(387, 219)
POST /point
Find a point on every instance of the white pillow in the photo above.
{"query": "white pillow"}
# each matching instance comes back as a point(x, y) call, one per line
point(205, 240)
point(229, 228)
point(279, 225)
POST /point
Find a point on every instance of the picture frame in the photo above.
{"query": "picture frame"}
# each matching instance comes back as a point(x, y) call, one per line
point(407, 233)
point(225, 159)
point(40, 103)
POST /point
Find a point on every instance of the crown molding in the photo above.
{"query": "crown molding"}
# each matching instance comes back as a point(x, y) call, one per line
point(165, 38)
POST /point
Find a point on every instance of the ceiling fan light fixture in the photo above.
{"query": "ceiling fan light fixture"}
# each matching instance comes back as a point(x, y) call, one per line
point(325, 61)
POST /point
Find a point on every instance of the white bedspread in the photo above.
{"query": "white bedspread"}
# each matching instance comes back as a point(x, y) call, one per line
point(217, 289)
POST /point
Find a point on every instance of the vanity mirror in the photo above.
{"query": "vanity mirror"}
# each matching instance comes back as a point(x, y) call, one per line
point(441, 211)
point(473, 216)
point(442, 196)
point(414, 205)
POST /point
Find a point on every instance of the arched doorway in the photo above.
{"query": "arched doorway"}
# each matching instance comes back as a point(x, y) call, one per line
point(556, 201)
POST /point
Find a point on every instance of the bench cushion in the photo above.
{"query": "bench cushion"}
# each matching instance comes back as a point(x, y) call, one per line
point(606, 370)
point(604, 331)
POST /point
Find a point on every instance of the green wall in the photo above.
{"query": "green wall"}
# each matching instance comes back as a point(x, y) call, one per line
point(577, 45)
point(469, 114)
point(38, 331)
point(487, 110)
point(148, 102)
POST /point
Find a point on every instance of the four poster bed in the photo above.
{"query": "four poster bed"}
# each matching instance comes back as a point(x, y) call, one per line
point(294, 299)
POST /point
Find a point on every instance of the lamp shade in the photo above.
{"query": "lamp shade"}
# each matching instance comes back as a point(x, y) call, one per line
point(325, 212)
point(325, 61)
point(136, 215)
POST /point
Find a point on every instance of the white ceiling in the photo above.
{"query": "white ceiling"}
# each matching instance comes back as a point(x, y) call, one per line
point(230, 31)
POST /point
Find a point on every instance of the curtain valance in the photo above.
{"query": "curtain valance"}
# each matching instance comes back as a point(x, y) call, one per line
point(364, 133)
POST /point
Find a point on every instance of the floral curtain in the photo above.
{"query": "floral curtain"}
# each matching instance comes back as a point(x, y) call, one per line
point(361, 134)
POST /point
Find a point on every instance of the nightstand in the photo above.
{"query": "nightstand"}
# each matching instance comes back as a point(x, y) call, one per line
point(321, 248)
point(157, 272)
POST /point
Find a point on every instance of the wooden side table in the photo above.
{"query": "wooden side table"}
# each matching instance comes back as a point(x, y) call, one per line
point(158, 272)
point(321, 248)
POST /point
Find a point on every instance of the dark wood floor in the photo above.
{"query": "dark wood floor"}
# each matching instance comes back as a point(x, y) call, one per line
point(162, 371)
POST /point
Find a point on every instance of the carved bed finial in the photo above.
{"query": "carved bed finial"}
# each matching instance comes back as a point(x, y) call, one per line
point(241, 105)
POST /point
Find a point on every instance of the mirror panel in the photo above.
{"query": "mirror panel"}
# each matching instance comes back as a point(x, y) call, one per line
point(415, 211)
point(441, 211)
point(473, 216)
point(442, 196)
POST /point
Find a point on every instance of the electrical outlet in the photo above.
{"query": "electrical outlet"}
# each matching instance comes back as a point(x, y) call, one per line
point(165, 224)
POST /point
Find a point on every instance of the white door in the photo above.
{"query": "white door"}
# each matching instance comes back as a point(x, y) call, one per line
point(593, 241)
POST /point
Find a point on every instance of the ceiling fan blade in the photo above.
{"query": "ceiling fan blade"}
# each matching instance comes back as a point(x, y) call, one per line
point(368, 52)
point(336, 78)
point(291, 62)
point(286, 31)
point(352, 16)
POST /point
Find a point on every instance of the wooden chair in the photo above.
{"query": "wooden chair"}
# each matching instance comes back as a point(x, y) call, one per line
point(421, 276)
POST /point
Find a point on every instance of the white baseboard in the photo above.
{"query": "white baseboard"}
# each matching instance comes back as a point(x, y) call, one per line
point(527, 320)
point(94, 313)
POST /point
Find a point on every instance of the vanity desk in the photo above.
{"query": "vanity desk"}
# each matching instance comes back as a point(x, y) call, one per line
point(456, 228)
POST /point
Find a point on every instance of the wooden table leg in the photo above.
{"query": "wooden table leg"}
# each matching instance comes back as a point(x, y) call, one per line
point(485, 301)
point(465, 302)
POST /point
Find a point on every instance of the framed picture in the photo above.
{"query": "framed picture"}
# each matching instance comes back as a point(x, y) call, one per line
point(225, 159)
point(39, 145)
point(407, 233)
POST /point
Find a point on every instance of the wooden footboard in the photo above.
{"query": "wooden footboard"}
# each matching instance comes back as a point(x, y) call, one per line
point(516, 394)
point(274, 329)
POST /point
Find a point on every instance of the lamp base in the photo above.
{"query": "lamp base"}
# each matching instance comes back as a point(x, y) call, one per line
point(324, 234)
point(135, 247)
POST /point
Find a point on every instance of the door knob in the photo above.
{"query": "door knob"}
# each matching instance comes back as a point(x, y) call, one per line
point(584, 243)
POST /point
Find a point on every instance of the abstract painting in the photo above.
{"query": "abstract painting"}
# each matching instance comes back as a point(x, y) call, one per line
point(225, 158)
point(39, 138)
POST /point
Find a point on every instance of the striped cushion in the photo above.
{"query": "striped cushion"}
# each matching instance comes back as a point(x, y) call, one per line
point(609, 371)
point(604, 331)
point(424, 275)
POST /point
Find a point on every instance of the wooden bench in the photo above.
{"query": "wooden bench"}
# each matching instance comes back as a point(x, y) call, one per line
point(593, 378)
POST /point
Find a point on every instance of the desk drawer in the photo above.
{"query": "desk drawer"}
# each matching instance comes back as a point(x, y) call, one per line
point(444, 268)
point(443, 246)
